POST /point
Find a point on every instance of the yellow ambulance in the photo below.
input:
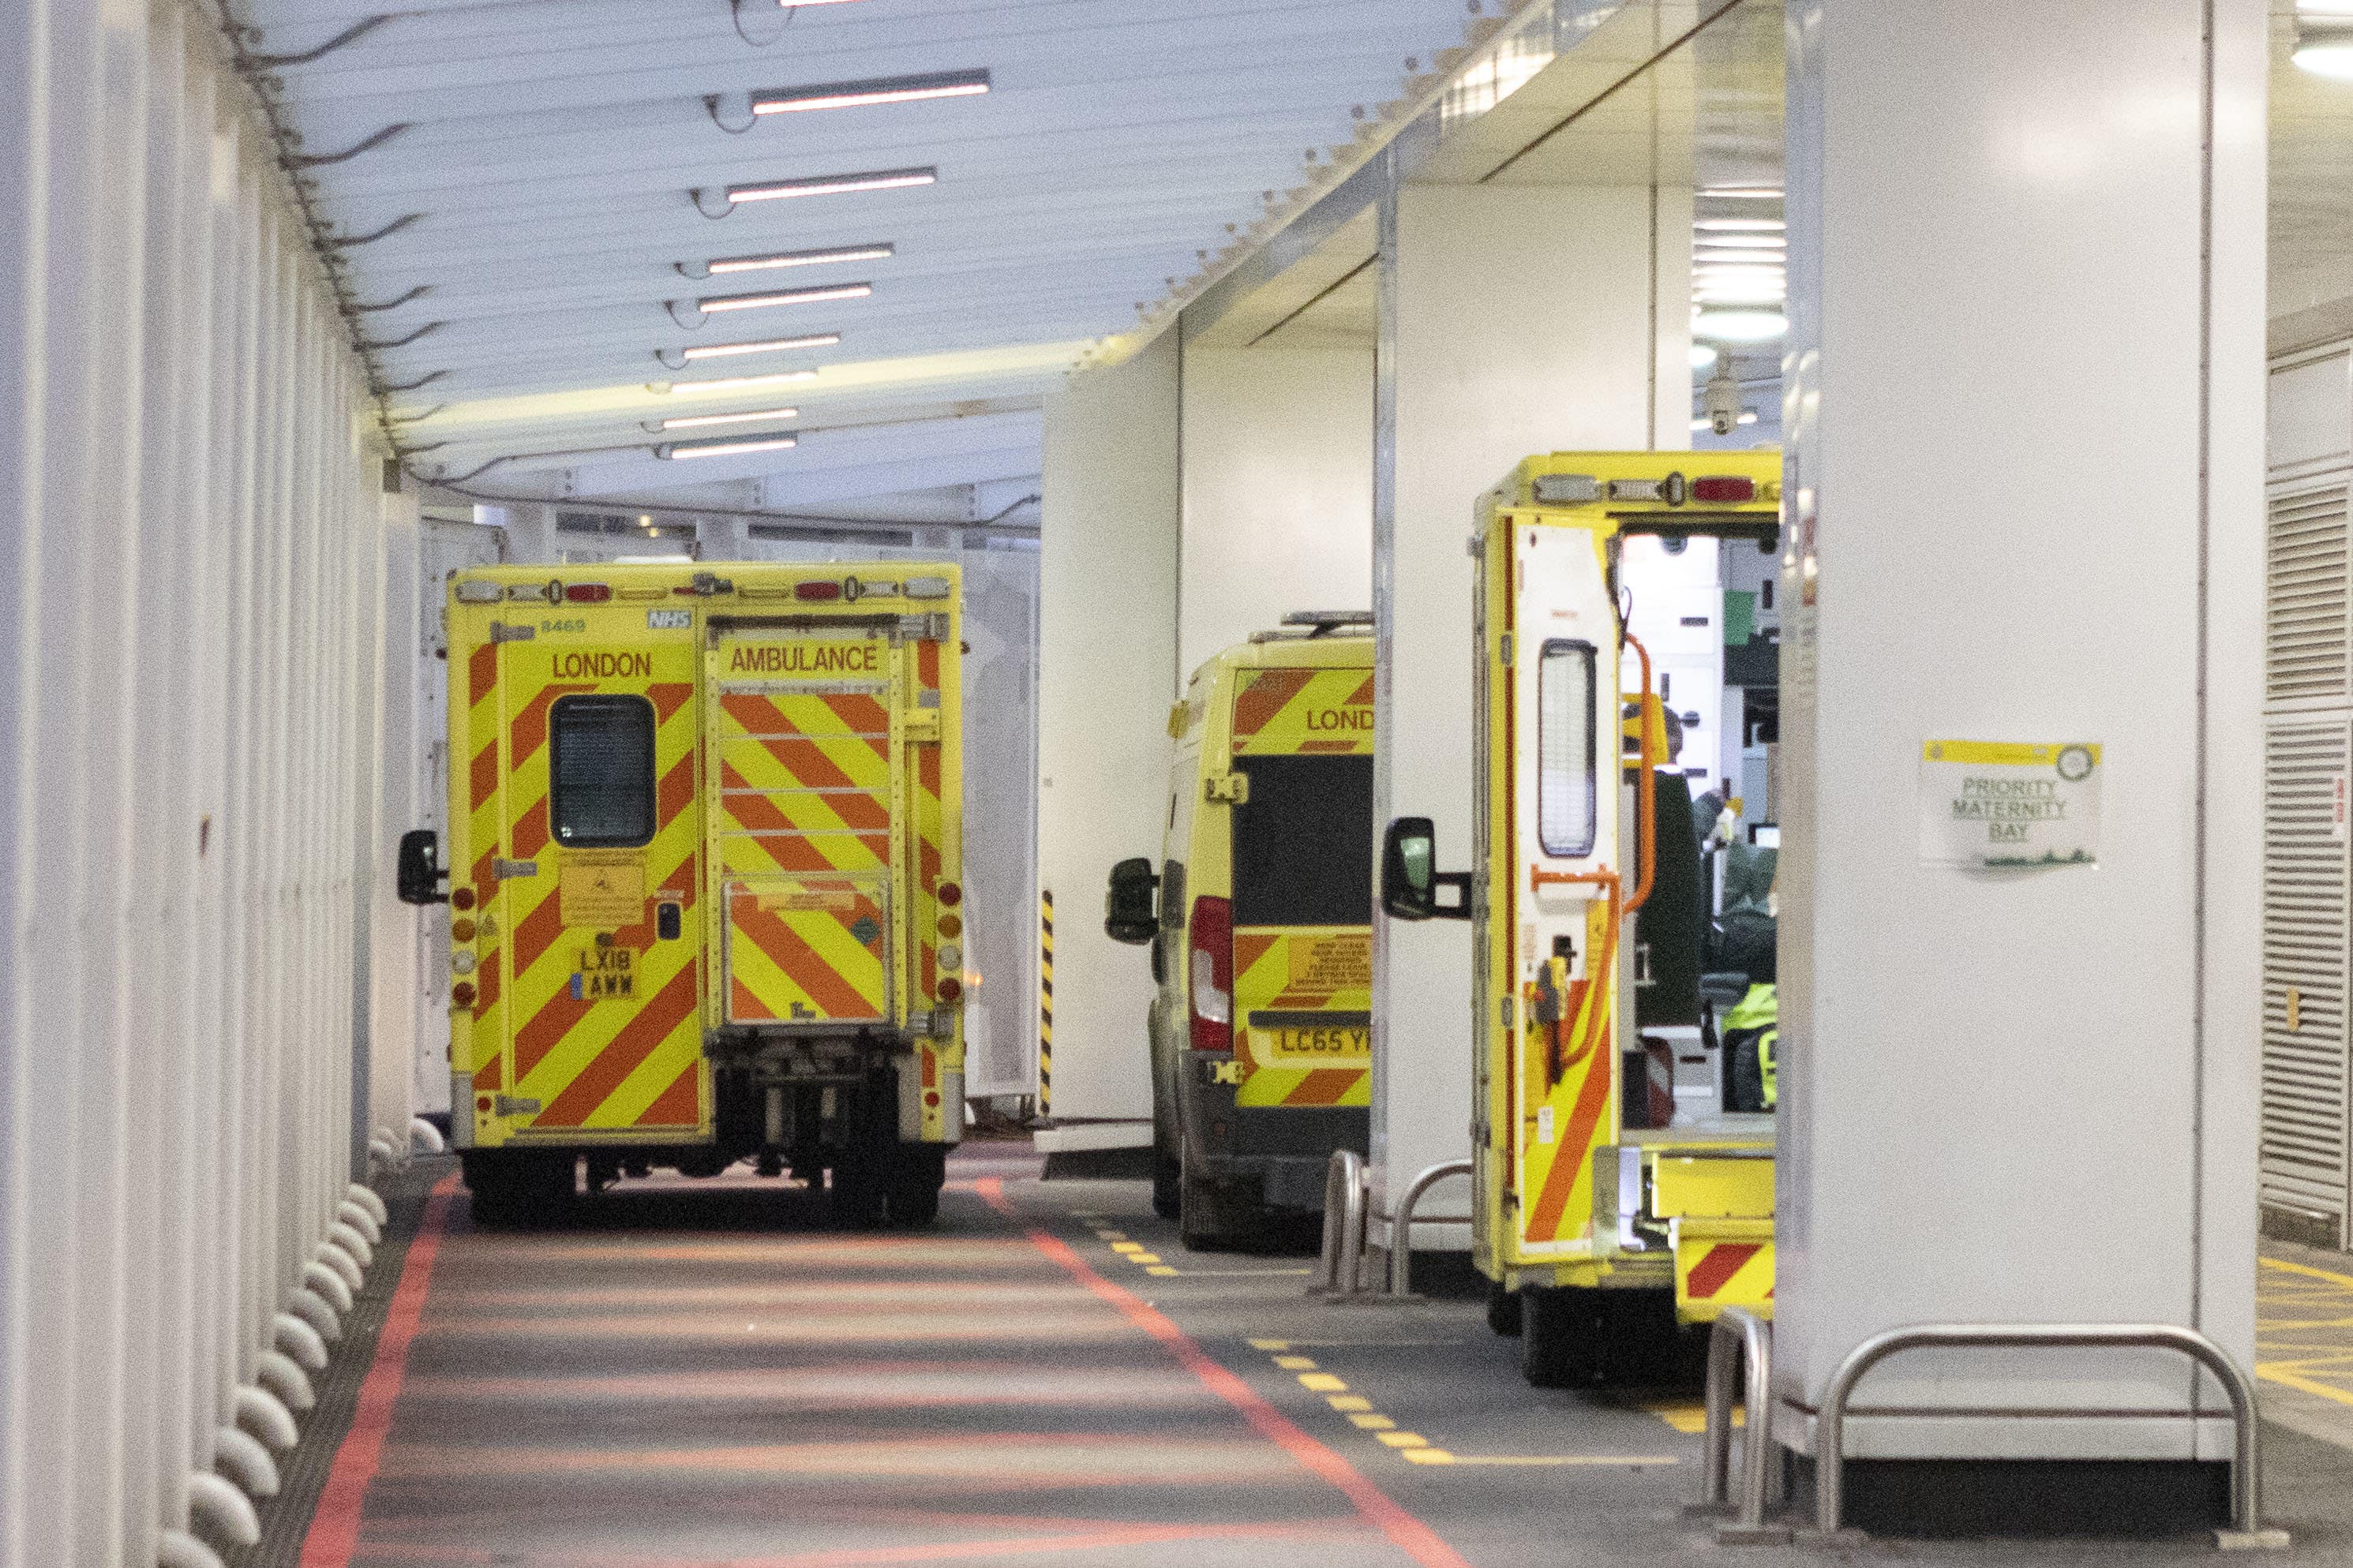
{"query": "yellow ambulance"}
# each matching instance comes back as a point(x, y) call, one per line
point(703, 865)
point(1602, 1235)
point(1258, 918)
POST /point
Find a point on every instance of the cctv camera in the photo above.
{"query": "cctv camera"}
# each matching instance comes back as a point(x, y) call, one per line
point(1720, 401)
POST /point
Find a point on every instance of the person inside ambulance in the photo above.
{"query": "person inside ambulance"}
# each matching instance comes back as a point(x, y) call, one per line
point(1672, 928)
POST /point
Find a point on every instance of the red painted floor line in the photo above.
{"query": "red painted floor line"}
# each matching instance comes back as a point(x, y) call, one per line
point(1416, 1539)
point(334, 1532)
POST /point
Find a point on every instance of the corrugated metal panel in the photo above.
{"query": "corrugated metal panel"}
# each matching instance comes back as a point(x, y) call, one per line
point(2305, 643)
point(187, 725)
point(2307, 877)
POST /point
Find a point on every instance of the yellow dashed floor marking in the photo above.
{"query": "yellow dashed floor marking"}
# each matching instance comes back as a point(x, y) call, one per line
point(1415, 1448)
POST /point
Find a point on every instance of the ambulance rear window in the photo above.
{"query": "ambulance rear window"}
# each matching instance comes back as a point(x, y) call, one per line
point(1565, 805)
point(1303, 842)
point(600, 770)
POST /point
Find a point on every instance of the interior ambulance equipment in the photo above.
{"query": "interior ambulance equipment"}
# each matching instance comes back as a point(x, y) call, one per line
point(704, 862)
point(1599, 1233)
point(1261, 929)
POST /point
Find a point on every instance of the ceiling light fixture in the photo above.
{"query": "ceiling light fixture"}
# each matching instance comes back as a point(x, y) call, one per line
point(788, 259)
point(696, 421)
point(1740, 226)
point(859, 94)
point(712, 304)
point(1746, 193)
point(728, 383)
point(818, 185)
point(726, 446)
point(1739, 326)
point(1701, 357)
point(2324, 40)
point(1746, 241)
point(686, 356)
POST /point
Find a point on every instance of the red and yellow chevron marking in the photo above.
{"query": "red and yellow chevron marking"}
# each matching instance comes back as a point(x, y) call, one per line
point(808, 770)
point(629, 1063)
point(1711, 1275)
point(1289, 712)
point(1303, 1007)
point(808, 950)
point(927, 815)
point(1568, 1072)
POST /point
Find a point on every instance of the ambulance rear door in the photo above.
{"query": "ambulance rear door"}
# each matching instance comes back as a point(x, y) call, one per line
point(806, 736)
point(588, 834)
point(1562, 678)
point(1302, 887)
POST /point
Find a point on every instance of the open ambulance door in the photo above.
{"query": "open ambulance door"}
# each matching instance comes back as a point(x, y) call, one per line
point(1557, 922)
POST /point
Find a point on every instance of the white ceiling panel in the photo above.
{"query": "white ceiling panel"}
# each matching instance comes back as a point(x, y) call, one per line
point(541, 180)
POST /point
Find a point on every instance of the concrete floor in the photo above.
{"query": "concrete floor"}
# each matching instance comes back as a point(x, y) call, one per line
point(703, 1375)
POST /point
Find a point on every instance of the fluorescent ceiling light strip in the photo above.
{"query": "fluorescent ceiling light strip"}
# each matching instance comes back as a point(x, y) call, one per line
point(712, 304)
point(801, 259)
point(766, 346)
point(1738, 225)
point(1745, 241)
point(739, 383)
point(728, 447)
point(881, 89)
point(1744, 193)
point(792, 4)
point(695, 421)
point(838, 185)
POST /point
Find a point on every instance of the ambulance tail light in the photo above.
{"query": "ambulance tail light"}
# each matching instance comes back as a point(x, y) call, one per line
point(950, 894)
point(1717, 489)
point(586, 593)
point(1212, 974)
point(817, 590)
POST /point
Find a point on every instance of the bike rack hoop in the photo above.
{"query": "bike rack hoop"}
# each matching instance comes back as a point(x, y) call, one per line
point(2246, 1529)
point(1739, 1336)
point(1401, 1227)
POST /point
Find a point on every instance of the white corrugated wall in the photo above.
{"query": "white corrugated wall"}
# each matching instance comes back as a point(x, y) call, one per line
point(191, 591)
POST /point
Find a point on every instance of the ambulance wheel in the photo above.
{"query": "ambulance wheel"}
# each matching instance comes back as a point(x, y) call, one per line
point(854, 1193)
point(1562, 1334)
point(1167, 1182)
point(514, 1190)
point(1207, 1217)
point(918, 1171)
point(1503, 1309)
point(1642, 1344)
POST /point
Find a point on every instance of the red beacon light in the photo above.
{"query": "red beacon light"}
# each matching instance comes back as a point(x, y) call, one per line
point(817, 590)
point(1720, 489)
point(587, 594)
point(950, 894)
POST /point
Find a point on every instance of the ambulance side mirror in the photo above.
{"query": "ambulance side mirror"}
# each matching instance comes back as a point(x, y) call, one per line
point(418, 877)
point(1130, 912)
point(1410, 879)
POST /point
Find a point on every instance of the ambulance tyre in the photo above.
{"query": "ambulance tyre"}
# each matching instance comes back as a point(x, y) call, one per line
point(1207, 1216)
point(1503, 1309)
point(918, 1171)
point(520, 1189)
point(1167, 1184)
point(1562, 1333)
point(855, 1192)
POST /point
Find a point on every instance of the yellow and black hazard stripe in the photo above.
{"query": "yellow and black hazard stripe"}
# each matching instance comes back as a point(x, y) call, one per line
point(1046, 1002)
point(1304, 713)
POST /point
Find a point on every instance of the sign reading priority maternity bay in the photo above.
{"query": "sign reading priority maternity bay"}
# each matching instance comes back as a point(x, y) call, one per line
point(2000, 803)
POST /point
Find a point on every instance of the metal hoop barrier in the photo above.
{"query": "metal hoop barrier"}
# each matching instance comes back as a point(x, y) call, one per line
point(1401, 1227)
point(1341, 1265)
point(1739, 1336)
point(2246, 1474)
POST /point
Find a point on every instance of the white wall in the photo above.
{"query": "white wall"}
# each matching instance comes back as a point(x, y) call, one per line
point(190, 519)
point(1524, 323)
point(1278, 490)
point(1106, 676)
point(2020, 1095)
